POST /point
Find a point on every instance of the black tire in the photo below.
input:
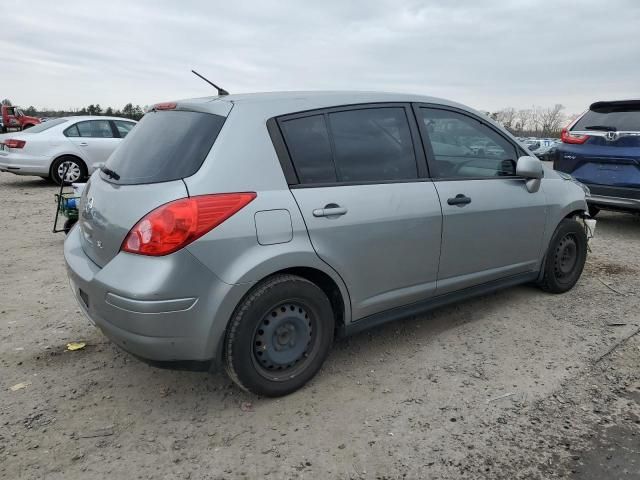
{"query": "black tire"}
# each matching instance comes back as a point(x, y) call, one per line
point(565, 258)
point(77, 166)
point(593, 211)
point(68, 224)
point(265, 348)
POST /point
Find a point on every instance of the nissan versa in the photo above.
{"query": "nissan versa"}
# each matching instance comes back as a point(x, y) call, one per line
point(246, 231)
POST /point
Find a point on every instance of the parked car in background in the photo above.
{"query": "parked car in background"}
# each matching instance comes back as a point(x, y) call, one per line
point(547, 151)
point(14, 119)
point(532, 144)
point(76, 145)
point(247, 230)
point(601, 149)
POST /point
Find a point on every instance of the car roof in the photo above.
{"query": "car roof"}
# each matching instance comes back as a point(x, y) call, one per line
point(94, 117)
point(278, 102)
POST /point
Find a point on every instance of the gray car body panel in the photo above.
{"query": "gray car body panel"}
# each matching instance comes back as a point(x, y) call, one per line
point(384, 254)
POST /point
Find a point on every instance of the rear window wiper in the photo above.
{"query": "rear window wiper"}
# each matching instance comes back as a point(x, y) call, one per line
point(602, 127)
point(110, 173)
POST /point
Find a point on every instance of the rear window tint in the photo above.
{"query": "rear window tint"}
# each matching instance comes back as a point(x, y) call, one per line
point(310, 150)
point(373, 144)
point(165, 146)
point(623, 120)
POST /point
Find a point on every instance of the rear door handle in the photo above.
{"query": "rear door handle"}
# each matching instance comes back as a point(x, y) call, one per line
point(330, 210)
point(83, 144)
point(461, 200)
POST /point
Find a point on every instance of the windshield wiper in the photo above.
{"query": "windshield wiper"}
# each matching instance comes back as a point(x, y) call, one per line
point(110, 173)
point(602, 127)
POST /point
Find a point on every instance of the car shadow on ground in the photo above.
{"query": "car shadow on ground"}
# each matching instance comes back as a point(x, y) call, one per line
point(30, 182)
point(404, 338)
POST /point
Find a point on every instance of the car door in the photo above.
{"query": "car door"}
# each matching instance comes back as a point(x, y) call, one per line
point(95, 139)
point(492, 225)
point(370, 211)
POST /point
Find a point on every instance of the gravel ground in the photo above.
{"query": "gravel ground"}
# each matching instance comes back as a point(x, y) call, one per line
point(517, 384)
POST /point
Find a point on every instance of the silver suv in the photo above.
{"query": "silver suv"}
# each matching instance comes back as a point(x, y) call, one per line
point(246, 231)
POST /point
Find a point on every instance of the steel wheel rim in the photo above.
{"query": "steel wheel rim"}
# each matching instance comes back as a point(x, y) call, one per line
point(284, 340)
point(73, 174)
point(566, 256)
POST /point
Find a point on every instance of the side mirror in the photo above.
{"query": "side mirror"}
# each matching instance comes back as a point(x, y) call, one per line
point(531, 169)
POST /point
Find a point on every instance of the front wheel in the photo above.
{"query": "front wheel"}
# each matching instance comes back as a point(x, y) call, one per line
point(279, 336)
point(565, 258)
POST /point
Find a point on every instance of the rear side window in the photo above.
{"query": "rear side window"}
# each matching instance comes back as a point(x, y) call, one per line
point(164, 146)
point(356, 145)
point(308, 142)
point(95, 129)
point(622, 119)
point(373, 144)
point(123, 127)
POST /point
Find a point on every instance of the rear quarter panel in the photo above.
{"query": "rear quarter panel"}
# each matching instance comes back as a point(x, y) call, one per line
point(243, 159)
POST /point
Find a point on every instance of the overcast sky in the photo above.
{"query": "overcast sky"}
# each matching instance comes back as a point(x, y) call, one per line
point(487, 54)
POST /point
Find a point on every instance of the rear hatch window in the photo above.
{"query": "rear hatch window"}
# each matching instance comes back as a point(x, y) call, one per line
point(164, 146)
point(612, 117)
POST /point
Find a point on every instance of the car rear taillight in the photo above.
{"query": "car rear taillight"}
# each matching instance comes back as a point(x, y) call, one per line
point(13, 143)
point(567, 137)
point(176, 224)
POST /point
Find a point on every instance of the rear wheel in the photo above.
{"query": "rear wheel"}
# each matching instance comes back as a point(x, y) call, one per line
point(279, 336)
point(566, 257)
point(72, 168)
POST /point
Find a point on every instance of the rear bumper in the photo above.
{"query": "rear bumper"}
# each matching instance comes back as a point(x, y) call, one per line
point(160, 309)
point(622, 198)
point(23, 164)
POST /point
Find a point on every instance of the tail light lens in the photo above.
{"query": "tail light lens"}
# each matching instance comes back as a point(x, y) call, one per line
point(13, 143)
point(176, 224)
point(568, 137)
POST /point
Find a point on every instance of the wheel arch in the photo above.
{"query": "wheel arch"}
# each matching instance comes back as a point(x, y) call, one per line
point(329, 282)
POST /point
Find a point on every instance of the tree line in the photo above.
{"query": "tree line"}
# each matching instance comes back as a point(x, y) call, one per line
point(535, 121)
point(529, 122)
point(134, 112)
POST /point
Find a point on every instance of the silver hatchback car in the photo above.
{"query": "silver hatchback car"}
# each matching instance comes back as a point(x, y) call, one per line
point(246, 231)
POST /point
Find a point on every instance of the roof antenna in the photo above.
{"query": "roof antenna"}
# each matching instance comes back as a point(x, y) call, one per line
point(221, 91)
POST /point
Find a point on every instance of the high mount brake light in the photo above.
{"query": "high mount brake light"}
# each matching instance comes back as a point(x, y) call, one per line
point(165, 106)
point(176, 224)
point(13, 143)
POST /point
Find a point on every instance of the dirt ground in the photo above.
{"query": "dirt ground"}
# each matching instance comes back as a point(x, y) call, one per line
point(517, 384)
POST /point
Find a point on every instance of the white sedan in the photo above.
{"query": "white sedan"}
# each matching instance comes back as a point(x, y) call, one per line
point(69, 146)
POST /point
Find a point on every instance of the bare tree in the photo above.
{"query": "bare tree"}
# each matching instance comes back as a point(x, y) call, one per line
point(551, 119)
point(524, 118)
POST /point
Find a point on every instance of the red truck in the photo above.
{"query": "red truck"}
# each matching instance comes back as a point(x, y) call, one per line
point(14, 119)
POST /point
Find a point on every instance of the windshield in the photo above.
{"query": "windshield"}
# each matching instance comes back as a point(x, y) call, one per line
point(164, 146)
point(41, 127)
point(627, 119)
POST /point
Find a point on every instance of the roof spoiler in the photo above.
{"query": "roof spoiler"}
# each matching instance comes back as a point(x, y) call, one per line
point(615, 106)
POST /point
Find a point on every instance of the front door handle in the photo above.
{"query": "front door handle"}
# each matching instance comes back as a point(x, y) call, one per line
point(461, 200)
point(330, 210)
